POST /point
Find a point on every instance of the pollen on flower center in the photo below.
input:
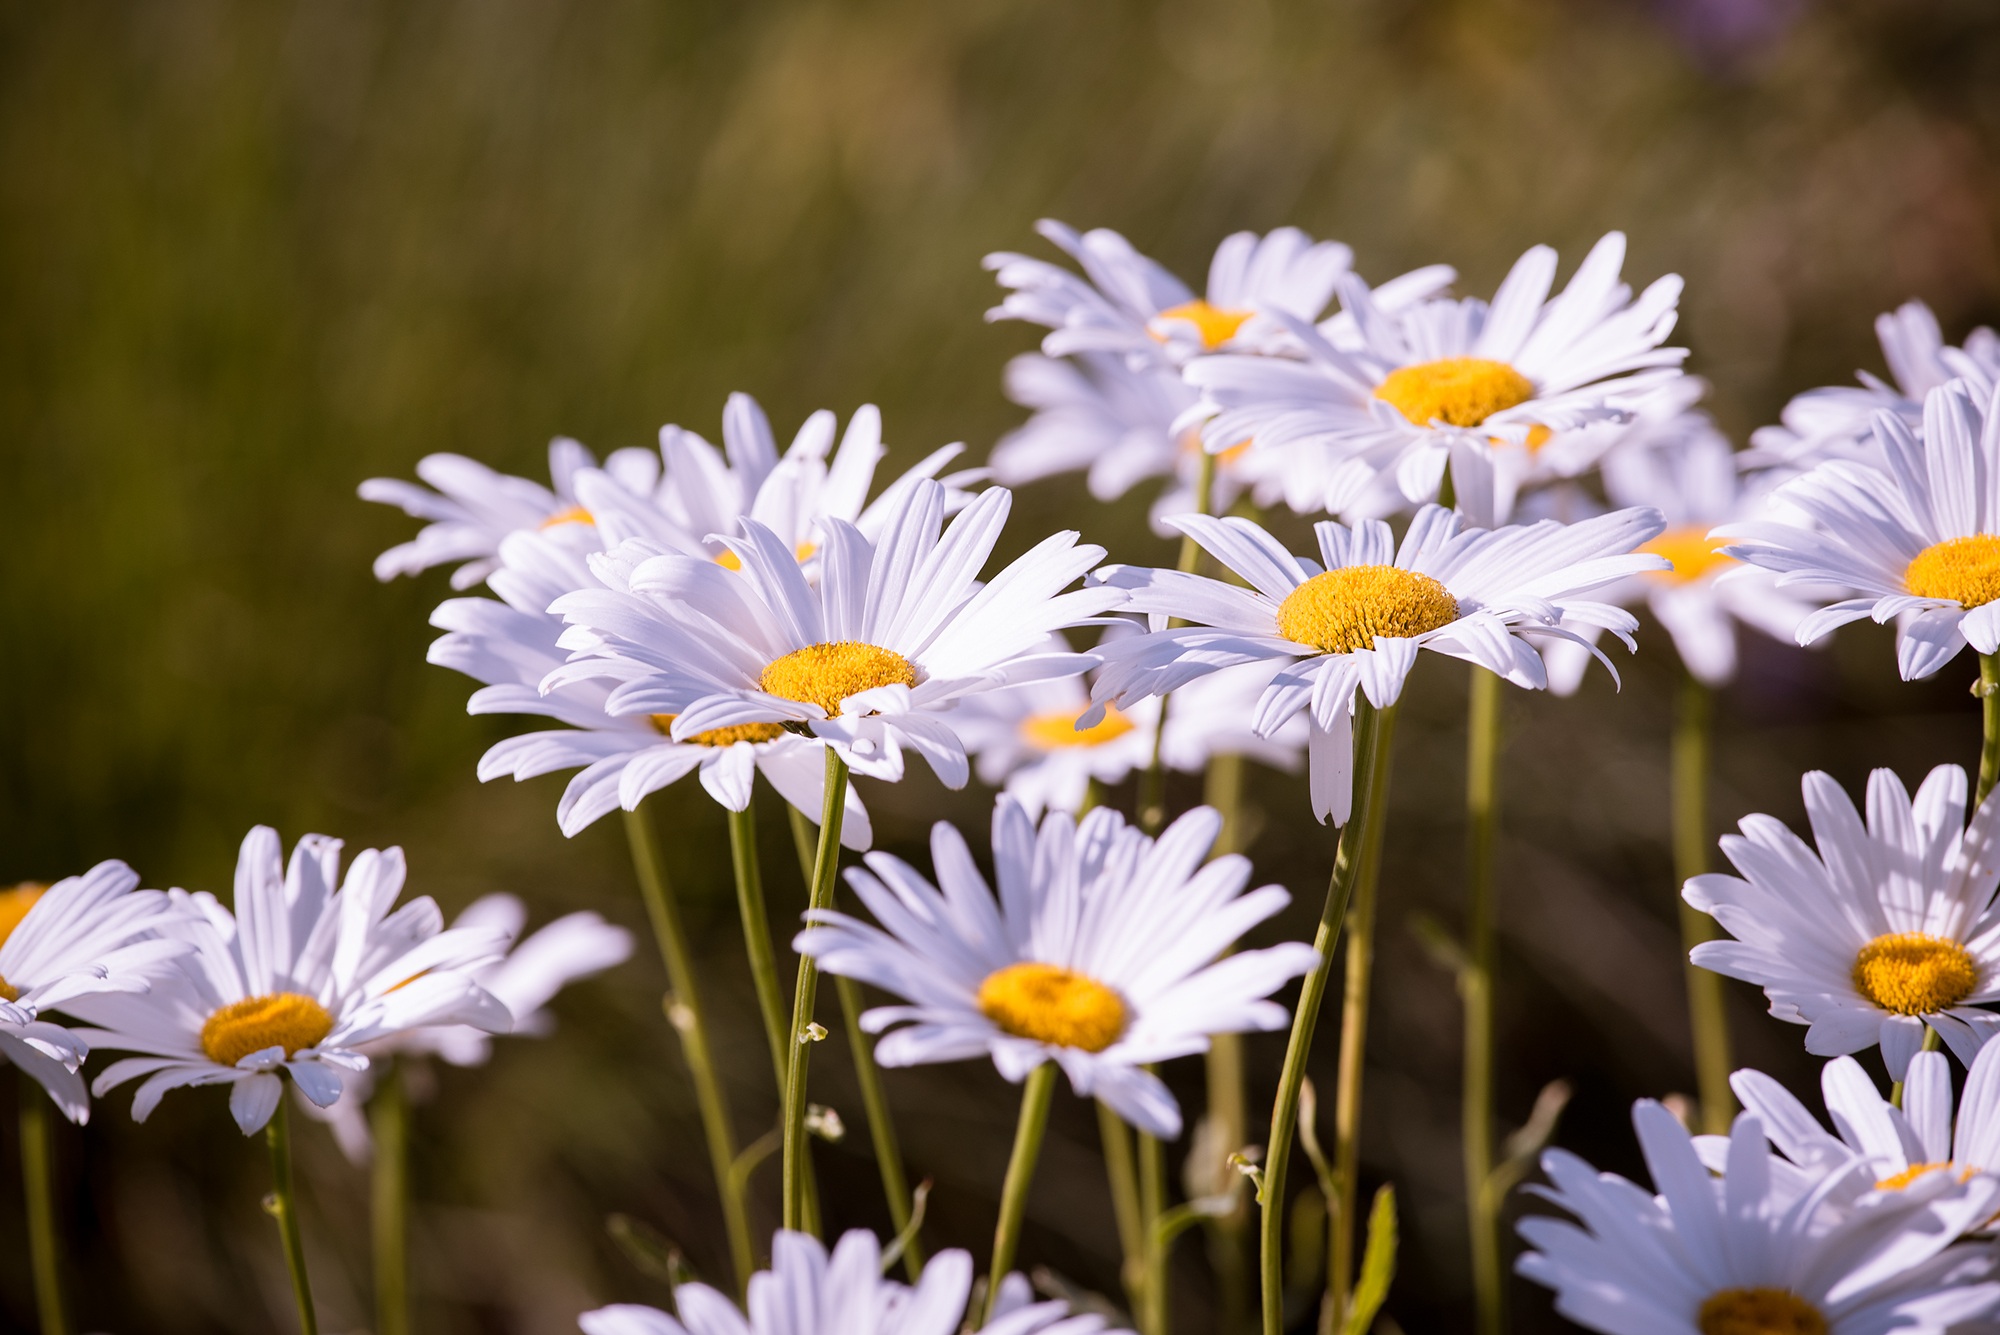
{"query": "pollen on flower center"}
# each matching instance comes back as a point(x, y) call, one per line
point(1215, 324)
point(1057, 729)
point(1897, 1181)
point(826, 674)
point(729, 560)
point(573, 514)
point(14, 906)
point(1050, 1004)
point(729, 736)
point(1344, 609)
point(1690, 549)
point(285, 1020)
point(1459, 391)
point(1914, 974)
point(1759, 1312)
point(1965, 570)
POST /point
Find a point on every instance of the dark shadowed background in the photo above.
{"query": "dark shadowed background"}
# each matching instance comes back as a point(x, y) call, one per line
point(252, 254)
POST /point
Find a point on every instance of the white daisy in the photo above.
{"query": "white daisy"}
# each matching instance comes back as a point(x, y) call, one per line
point(806, 1292)
point(1888, 927)
point(872, 658)
point(1527, 389)
point(297, 979)
point(1746, 1255)
point(82, 935)
point(1102, 954)
point(512, 645)
point(1836, 422)
point(1918, 537)
point(1357, 622)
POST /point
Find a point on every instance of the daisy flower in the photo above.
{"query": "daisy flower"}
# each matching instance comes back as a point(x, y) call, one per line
point(297, 979)
point(872, 659)
point(84, 934)
point(1102, 954)
point(807, 1292)
point(511, 644)
point(1886, 928)
point(1526, 389)
point(1918, 538)
point(1356, 619)
point(1745, 1255)
point(1836, 421)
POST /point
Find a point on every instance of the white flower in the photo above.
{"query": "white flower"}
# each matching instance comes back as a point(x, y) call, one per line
point(297, 979)
point(1526, 389)
point(1358, 622)
point(1101, 954)
point(84, 934)
point(806, 1292)
point(1835, 422)
point(1746, 1253)
point(1888, 927)
point(872, 658)
point(1918, 537)
point(512, 645)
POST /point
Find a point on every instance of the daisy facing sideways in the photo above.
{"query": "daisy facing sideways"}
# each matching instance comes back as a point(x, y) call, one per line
point(1884, 929)
point(82, 935)
point(1918, 538)
point(1750, 1254)
point(807, 1292)
point(1357, 622)
point(1101, 954)
point(297, 979)
point(873, 658)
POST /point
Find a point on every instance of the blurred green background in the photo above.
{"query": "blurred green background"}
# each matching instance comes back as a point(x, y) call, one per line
point(251, 254)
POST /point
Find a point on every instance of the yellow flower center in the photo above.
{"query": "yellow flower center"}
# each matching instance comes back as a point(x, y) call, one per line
point(1052, 1005)
point(276, 1020)
point(826, 674)
point(1917, 1170)
point(729, 560)
point(1965, 570)
point(14, 906)
point(1057, 729)
point(1914, 974)
point(1344, 609)
point(1459, 391)
point(729, 736)
point(1216, 325)
point(1759, 1312)
point(574, 514)
point(1692, 552)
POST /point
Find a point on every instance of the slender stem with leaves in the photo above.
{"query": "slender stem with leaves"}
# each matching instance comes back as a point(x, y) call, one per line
point(1707, 1015)
point(1988, 691)
point(389, 1120)
point(1116, 1138)
point(799, 1039)
point(1228, 1114)
point(1037, 1093)
point(757, 932)
point(1475, 986)
point(38, 1184)
point(283, 1206)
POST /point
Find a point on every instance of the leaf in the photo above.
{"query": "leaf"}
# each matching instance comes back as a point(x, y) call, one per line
point(651, 1252)
point(918, 1200)
point(1378, 1263)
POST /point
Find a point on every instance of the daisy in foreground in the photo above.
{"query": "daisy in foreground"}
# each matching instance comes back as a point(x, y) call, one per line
point(1356, 622)
point(296, 980)
point(1746, 1255)
point(806, 1292)
point(1887, 928)
point(1101, 954)
point(1918, 537)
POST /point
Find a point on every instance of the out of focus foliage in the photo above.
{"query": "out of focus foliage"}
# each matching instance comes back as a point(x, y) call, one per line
point(251, 254)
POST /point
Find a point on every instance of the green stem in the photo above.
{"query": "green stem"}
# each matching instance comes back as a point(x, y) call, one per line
point(1352, 870)
point(1036, 1095)
point(283, 1205)
point(1152, 1204)
point(1708, 1017)
point(1989, 741)
point(799, 1042)
point(1117, 1141)
point(38, 1182)
point(1475, 986)
point(389, 1112)
point(684, 1013)
point(1228, 1099)
point(757, 932)
point(1932, 1042)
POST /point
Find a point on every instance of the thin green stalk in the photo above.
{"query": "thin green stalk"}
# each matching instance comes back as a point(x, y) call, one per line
point(1228, 1099)
point(1989, 741)
point(1374, 730)
point(38, 1183)
point(283, 1205)
point(757, 932)
point(1036, 1095)
point(1152, 1312)
point(1932, 1042)
point(685, 1014)
point(1475, 986)
point(799, 1041)
point(1118, 1167)
point(1707, 1013)
point(389, 1114)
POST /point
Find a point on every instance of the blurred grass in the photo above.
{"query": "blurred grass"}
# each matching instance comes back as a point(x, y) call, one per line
point(252, 254)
